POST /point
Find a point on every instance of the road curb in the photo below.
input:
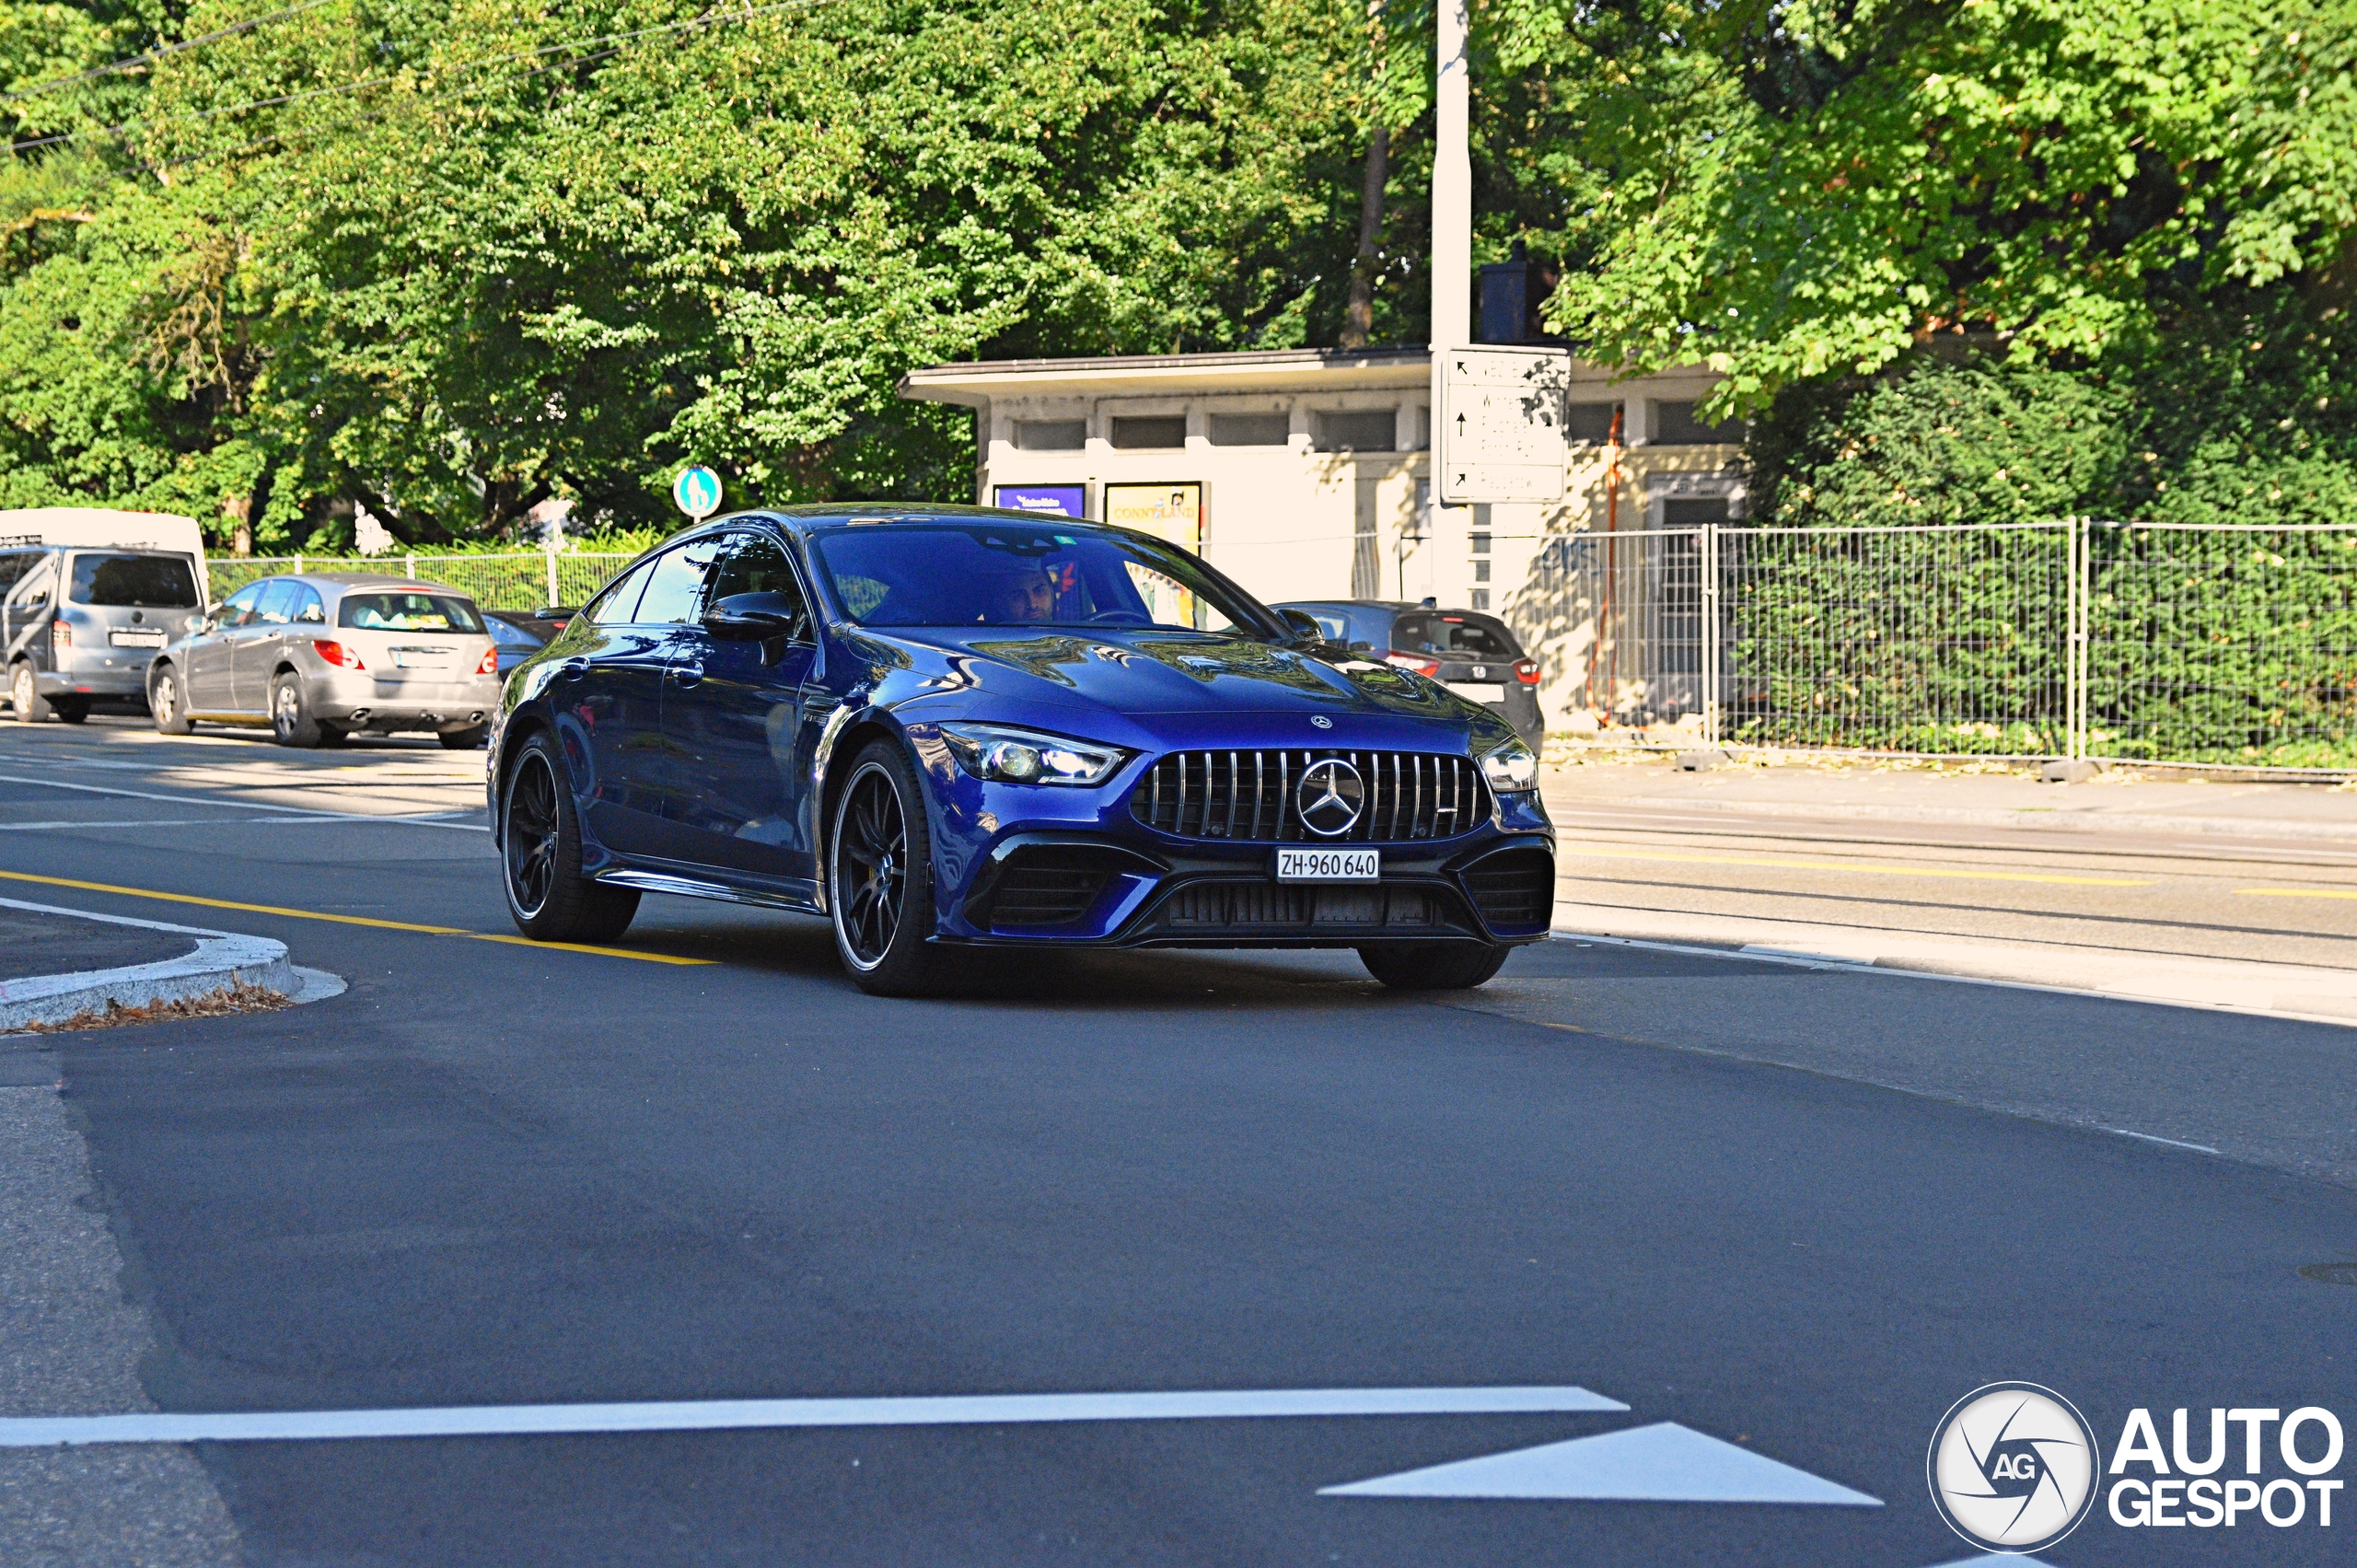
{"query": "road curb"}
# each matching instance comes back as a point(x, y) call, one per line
point(222, 958)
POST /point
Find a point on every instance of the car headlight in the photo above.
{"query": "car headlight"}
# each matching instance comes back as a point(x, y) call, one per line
point(1003, 753)
point(1511, 769)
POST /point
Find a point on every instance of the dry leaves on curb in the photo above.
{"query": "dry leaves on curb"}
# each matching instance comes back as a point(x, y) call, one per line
point(234, 997)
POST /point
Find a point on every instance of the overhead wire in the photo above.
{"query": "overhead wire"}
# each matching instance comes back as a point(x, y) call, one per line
point(153, 54)
point(688, 25)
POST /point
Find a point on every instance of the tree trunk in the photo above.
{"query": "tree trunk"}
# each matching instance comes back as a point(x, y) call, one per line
point(1358, 317)
point(238, 510)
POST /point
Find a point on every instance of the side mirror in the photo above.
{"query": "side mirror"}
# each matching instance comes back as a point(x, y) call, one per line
point(1305, 626)
point(753, 618)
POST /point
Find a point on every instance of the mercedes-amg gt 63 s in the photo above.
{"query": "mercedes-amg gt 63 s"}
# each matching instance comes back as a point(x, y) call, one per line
point(951, 729)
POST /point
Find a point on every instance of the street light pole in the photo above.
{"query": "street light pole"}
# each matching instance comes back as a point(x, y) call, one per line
point(1452, 213)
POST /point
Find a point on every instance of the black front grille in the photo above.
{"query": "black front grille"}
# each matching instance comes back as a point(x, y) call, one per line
point(1269, 909)
point(1250, 796)
point(1513, 888)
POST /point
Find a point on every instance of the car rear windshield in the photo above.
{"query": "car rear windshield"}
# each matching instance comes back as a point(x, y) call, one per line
point(991, 573)
point(1475, 637)
point(408, 612)
point(150, 582)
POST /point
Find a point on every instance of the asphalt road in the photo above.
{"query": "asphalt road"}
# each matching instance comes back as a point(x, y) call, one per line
point(491, 1174)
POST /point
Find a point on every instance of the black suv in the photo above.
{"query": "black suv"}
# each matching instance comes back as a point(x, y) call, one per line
point(1471, 653)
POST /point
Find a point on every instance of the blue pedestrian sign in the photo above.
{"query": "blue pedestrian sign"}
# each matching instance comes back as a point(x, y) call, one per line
point(697, 490)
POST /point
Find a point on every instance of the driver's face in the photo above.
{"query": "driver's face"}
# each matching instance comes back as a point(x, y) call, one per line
point(1025, 598)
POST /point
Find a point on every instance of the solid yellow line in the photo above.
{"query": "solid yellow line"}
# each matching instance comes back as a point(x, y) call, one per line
point(342, 919)
point(2298, 892)
point(1854, 865)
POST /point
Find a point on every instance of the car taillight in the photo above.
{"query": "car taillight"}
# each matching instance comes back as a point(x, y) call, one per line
point(490, 665)
point(61, 635)
point(1527, 672)
point(337, 654)
point(1411, 661)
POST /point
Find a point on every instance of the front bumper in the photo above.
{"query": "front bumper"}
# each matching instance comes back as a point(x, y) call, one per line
point(1044, 865)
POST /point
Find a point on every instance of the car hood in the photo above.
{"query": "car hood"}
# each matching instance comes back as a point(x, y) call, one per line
point(1162, 670)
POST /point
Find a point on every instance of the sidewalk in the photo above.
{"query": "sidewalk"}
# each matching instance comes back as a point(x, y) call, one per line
point(1840, 804)
point(1972, 795)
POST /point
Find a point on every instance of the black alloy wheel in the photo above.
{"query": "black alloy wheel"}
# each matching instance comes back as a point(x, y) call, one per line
point(164, 702)
point(540, 849)
point(879, 880)
point(1434, 965)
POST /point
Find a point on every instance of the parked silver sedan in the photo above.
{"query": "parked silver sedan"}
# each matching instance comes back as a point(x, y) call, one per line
point(320, 655)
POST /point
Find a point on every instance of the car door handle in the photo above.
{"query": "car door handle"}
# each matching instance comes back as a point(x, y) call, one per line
point(686, 674)
point(573, 669)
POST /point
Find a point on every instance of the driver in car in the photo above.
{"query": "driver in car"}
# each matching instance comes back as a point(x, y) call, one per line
point(1025, 593)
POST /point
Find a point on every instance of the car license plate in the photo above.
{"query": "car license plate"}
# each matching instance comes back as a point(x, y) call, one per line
point(1479, 690)
point(1329, 865)
point(421, 658)
point(136, 639)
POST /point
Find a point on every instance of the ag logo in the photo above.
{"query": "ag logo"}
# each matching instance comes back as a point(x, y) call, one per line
point(2013, 1467)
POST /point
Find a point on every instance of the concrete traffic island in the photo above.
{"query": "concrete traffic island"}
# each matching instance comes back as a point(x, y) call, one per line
point(70, 968)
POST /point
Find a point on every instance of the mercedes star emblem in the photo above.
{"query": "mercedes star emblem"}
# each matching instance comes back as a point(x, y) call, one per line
point(1328, 798)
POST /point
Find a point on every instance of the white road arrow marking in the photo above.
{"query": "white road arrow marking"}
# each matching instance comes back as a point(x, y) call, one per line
point(707, 1415)
point(1667, 1463)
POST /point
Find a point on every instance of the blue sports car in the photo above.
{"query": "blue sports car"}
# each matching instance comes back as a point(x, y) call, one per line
point(949, 730)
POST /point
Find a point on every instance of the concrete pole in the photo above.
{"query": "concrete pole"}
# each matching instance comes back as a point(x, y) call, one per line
point(1452, 213)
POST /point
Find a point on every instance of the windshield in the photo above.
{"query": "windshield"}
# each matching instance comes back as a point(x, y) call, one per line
point(150, 582)
point(991, 573)
point(408, 612)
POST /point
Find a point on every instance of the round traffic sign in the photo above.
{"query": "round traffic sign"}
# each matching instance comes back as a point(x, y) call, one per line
point(697, 490)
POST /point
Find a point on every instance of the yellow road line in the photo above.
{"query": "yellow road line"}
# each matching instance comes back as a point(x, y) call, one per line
point(1570, 855)
point(2298, 892)
point(343, 918)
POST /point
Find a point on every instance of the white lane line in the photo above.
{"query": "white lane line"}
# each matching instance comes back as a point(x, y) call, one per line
point(1664, 1463)
point(708, 1415)
point(288, 813)
point(2153, 1138)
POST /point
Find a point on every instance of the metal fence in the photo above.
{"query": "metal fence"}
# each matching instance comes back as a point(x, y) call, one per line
point(523, 581)
point(2165, 643)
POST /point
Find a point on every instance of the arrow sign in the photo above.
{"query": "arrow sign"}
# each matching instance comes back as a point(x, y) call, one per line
point(1667, 1463)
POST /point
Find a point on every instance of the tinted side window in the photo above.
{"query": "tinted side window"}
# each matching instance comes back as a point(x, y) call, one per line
point(674, 590)
point(757, 564)
point(618, 603)
point(306, 606)
point(14, 564)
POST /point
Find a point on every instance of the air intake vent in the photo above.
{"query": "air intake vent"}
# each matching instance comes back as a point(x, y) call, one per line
point(1515, 889)
point(1256, 797)
point(1049, 884)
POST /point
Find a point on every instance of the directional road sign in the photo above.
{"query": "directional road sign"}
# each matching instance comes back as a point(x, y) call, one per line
point(1500, 425)
point(697, 490)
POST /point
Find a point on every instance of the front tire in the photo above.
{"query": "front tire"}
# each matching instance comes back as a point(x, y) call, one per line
point(539, 853)
point(25, 699)
point(879, 880)
point(166, 702)
point(1432, 966)
point(290, 716)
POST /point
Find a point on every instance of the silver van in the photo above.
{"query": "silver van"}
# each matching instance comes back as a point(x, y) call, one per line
point(322, 655)
point(79, 624)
